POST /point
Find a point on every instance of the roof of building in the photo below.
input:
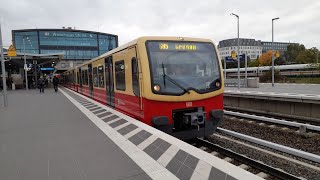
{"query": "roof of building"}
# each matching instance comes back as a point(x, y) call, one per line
point(39, 56)
point(263, 42)
point(65, 30)
point(243, 42)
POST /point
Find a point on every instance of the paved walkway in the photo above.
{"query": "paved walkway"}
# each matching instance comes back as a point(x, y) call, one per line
point(44, 136)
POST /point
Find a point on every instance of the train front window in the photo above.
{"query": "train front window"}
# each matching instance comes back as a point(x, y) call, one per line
point(178, 67)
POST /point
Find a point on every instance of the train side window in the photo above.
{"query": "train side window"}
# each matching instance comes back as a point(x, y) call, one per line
point(87, 77)
point(135, 76)
point(120, 75)
point(78, 77)
point(95, 77)
point(84, 77)
point(101, 76)
point(85, 82)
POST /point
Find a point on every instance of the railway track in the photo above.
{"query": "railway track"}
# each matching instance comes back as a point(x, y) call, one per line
point(277, 115)
point(261, 169)
point(302, 125)
point(297, 163)
point(271, 145)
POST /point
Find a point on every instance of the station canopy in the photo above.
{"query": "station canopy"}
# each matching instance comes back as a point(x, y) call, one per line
point(41, 59)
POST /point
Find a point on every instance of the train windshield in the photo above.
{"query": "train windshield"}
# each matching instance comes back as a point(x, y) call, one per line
point(178, 67)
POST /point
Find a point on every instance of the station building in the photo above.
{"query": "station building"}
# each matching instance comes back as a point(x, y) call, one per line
point(77, 46)
point(251, 47)
point(49, 51)
point(277, 46)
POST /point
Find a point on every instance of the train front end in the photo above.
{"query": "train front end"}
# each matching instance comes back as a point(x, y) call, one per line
point(184, 96)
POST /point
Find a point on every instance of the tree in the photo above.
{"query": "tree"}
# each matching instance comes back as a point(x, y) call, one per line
point(280, 61)
point(265, 58)
point(254, 63)
point(307, 56)
point(292, 52)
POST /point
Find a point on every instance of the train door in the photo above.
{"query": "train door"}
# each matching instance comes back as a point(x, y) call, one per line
point(109, 81)
point(73, 81)
point(76, 80)
point(80, 78)
point(90, 79)
point(136, 100)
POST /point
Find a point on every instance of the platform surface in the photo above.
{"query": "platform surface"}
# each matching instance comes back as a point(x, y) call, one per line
point(44, 136)
point(66, 135)
point(303, 90)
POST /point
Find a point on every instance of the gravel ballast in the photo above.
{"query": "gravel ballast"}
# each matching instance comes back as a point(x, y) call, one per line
point(284, 137)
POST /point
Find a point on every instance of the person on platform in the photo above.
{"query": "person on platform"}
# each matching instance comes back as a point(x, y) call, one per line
point(46, 81)
point(55, 82)
point(41, 83)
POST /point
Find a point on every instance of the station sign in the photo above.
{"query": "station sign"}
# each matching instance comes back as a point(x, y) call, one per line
point(233, 54)
point(231, 59)
point(47, 69)
point(12, 51)
point(27, 67)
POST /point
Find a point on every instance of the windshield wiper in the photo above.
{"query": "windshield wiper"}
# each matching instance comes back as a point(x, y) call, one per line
point(172, 80)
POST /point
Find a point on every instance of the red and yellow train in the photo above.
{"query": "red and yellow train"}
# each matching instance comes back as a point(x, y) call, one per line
point(172, 83)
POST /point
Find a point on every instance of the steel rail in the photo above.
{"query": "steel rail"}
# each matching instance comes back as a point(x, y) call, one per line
point(246, 160)
point(285, 149)
point(273, 120)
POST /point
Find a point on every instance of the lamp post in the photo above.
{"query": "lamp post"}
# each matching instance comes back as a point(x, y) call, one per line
point(225, 69)
point(238, 54)
point(272, 53)
point(317, 56)
point(5, 96)
point(25, 61)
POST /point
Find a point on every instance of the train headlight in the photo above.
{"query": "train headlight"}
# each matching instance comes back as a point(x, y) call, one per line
point(156, 87)
point(218, 84)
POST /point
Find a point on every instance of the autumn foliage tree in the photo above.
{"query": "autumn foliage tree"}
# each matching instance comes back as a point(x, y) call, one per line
point(265, 59)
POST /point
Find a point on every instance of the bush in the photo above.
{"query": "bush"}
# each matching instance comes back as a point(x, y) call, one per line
point(267, 77)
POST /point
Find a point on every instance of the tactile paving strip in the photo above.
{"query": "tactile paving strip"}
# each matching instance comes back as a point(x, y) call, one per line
point(182, 164)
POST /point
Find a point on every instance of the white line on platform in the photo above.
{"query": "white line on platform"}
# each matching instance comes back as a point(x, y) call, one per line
point(203, 169)
point(144, 161)
point(147, 142)
point(121, 126)
point(114, 120)
point(167, 156)
point(132, 133)
point(216, 162)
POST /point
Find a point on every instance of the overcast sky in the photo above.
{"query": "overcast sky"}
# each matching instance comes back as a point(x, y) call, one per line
point(299, 20)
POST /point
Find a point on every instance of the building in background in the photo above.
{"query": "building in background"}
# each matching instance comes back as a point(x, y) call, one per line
point(250, 47)
point(78, 46)
point(277, 46)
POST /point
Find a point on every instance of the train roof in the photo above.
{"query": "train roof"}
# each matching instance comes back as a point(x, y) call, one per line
point(142, 39)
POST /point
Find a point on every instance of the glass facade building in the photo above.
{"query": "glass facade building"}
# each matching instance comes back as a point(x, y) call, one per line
point(75, 44)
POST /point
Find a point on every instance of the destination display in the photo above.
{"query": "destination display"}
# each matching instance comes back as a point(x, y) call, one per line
point(178, 46)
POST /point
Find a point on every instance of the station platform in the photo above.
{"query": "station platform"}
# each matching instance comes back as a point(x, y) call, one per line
point(292, 101)
point(286, 89)
point(65, 135)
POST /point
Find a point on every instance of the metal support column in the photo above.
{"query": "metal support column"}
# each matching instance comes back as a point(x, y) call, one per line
point(246, 74)
point(5, 95)
point(225, 69)
point(238, 54)
point(273, 54)
point(25, 63)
